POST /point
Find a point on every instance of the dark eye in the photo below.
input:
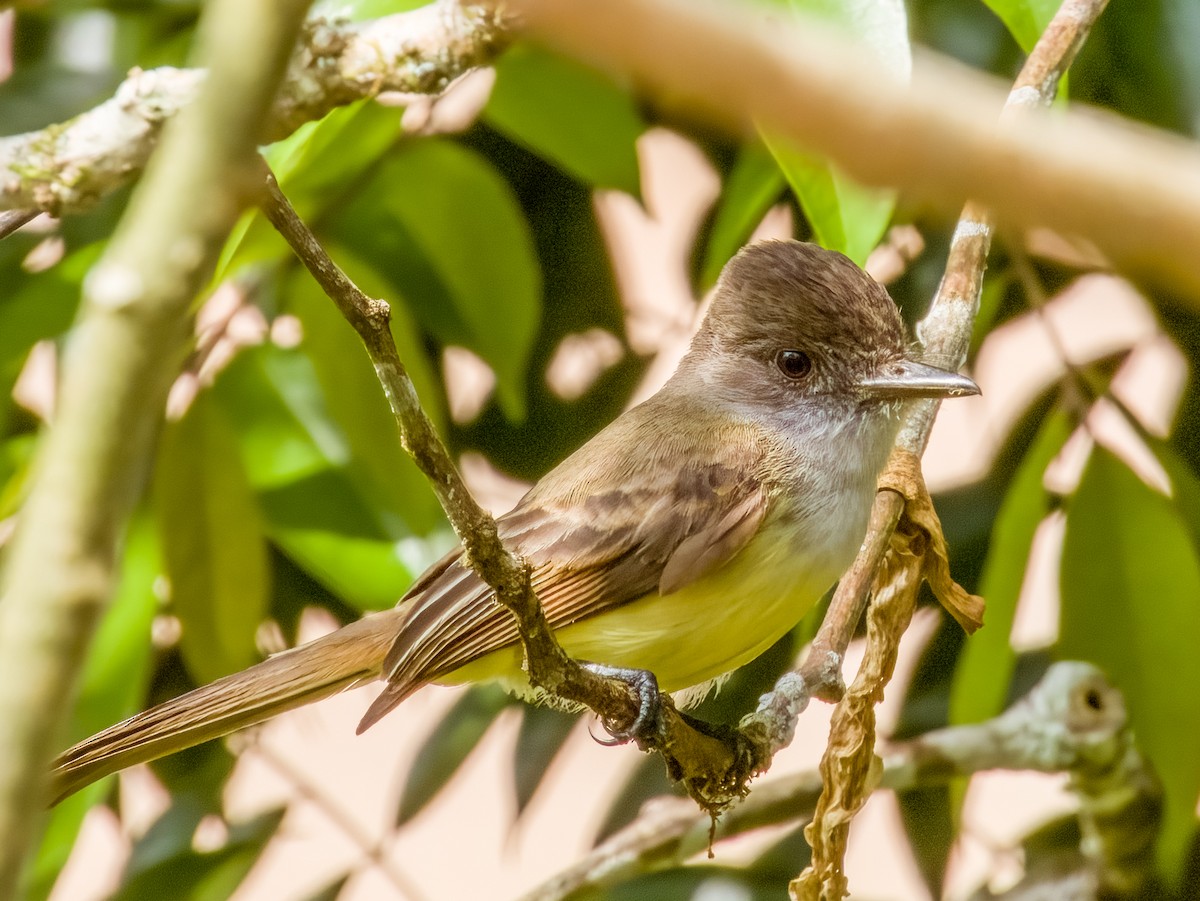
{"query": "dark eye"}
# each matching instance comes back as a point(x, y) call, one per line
point(795, 364)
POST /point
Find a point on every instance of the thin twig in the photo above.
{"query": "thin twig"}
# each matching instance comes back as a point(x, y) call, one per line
point(11, 220)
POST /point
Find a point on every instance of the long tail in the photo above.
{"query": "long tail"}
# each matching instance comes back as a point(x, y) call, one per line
point(292, 679)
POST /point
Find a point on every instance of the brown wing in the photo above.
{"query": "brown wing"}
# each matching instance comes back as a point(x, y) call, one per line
point(661, 520)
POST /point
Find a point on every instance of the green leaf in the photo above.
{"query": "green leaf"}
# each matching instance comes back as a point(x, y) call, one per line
point(449, 745)
point(35, 307)
point(379, 465)
point(1025, 19)
point(273, 399)
point(568, 113)
point(362, 10)
point(1185, 486)
point(844, 215)
point(203, 876)
point(1131, 605)
point(446, 230)
point(325, 504)
point(543, 731)
point(314, 165)
point(986, 665)
point(330, 530)
point(754, 183)
point(212, 537)
point(16, 458)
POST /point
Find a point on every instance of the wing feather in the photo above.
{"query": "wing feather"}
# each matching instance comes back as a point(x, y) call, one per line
point(661, 527)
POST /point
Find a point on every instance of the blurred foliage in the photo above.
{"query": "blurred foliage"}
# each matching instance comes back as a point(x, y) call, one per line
point(283, 485)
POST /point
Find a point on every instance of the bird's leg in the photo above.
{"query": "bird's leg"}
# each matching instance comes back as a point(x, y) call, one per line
point(648, 725)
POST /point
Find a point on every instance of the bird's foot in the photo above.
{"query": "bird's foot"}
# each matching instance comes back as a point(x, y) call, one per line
point(648, 725)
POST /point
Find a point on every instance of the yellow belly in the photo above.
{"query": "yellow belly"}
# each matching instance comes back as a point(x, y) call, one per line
point(704, 630)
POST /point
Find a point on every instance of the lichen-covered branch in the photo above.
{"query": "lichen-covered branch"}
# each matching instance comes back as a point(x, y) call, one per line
point(65, 168)
point(1072, 721)
point(417, 52)
point(122, 355)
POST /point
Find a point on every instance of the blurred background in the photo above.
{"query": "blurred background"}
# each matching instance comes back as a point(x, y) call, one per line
point(547, 237)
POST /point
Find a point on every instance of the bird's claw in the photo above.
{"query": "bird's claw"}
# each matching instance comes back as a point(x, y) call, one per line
point(647, 726)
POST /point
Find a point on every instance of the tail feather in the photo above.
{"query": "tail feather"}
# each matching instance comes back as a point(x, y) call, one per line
point(292, 679)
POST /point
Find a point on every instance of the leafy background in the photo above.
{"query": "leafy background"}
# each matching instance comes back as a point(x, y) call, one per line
point(280, 486)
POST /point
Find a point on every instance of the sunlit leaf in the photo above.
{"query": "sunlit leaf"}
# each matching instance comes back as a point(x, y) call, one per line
point(273, 399)
point(568, 113)
point(212, 537)
point(16, 457)
point(379, 466)
point(448, 746)
point(362, 10)
point(985, 667)
point(329, 529)
point(1025, 19)
point(844, 215)
point(754, 183)
point(446, 230)
point(1130, 592)
point(324, 502)
point(314, 166)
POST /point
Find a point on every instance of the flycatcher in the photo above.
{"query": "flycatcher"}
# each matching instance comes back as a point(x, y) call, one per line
point(684, 539)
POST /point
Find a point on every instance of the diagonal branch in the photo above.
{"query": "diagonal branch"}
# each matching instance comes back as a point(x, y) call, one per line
point(66, 167)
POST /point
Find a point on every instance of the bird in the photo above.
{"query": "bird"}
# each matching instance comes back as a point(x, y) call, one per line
point(682, 540)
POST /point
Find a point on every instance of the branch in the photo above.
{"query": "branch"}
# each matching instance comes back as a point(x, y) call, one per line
point(1132, 190)
point(122, 355)
point(1072, 721)
point(712, 765)
point(67, 167)
point(946, 333)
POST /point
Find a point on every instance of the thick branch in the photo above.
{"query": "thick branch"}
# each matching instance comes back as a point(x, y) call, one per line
point(1133, 191)
point(1072, 721)
point(121, 357)
point(65, 168)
